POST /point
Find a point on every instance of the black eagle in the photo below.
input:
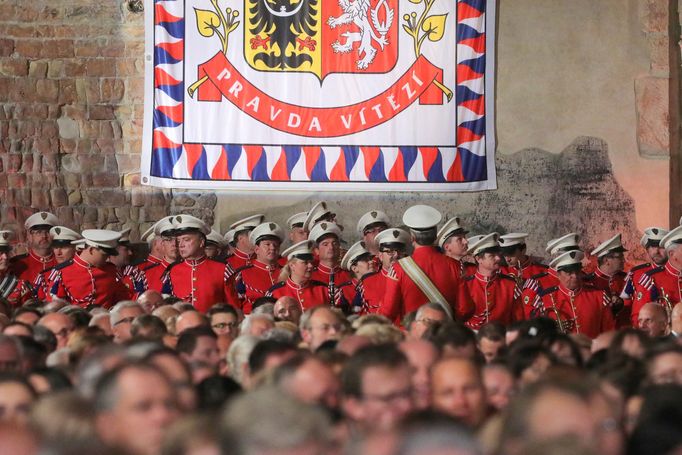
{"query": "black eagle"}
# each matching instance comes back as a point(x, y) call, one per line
point(283, 21)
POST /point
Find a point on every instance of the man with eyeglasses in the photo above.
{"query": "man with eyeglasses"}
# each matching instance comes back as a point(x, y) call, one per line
point(320, 324)
point(610, 278)
point(224, 320)
point(576, 308)
point(376, 387)
point(89, 279)
point(122, 316)
point(392, 246)
point(242, 247)
point(163, 232)
point(39, 257)
point(61, 325)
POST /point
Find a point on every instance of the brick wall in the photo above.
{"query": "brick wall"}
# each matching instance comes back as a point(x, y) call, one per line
point(71, 94)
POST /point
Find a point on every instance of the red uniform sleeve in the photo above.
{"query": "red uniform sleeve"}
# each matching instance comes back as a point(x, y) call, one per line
point(607, 321)
point(464, 306)
point(392, 302)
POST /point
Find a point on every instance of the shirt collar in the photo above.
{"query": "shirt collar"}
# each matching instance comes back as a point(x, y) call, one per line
point(42, 259)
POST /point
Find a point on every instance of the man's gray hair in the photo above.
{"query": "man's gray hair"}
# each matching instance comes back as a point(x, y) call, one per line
point(266, 308)
point(245, 326)
point(429, 306)
point(671, 246)
point(269, 421)
point(424, 238)
point(238, 355)
point(304, 323)
point(115, 312)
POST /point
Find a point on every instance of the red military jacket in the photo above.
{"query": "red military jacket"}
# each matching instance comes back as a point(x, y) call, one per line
point(403, 296)
point(82, 284)
point(323, 274)
point(238, 260)
point(373, 288)
point(254, 280)
point(202, 282)
point(628, 292)
point(613, 285)
point(496, 299)
point(151, 260)
point(14, 290)
point(154, 274)
point(528, 269)
point(42, 284)
point(546, 279)
point(28, 266)
point(311, 294)
point(662, 284)
point(584, 311)
point(134, 279)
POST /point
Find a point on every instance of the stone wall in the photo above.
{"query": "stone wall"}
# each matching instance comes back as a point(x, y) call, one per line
point(586, 103)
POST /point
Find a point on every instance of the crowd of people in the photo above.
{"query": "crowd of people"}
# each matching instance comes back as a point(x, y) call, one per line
point(417, 339)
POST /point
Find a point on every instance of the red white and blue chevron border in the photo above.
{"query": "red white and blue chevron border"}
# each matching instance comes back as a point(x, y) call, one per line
point(168, 161)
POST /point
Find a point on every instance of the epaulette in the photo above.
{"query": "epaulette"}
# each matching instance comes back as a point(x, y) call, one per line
point(468, 278)
point(655, 271)
point(367, 275)
point(640, 267)
point(170, 266)
point(621, 273)
point(590, 276)
point(242, 268)
point(277, 286)
point(540, 264)
point(213, 260)
point(317, 283)
point(539, 275)
point(345, 283)
point(507, 276)
point(151, 266)
point(18, 257)
point(138, 262)
point(544, 292)
point(63, 264)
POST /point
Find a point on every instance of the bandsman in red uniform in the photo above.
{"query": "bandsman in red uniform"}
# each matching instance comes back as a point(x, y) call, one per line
point(453, 242)
point(155, 245)
point(242, 248)
point(517, 262)
point(663, 284)
point(555, 247)
point(610, 277)
point(197, 279)
point(296, 232)
point(576, 308)
point(296, 279)
point(496, 296)
point(254, 280)
point(214, 245)
point(651, 242)
point(133, 278)
point(392, 244)
point(326, 237)
point(318, 213)
point(408, 289)
point(39, 257)
point(12, 289)
point(360, 263)
point(64, 250)
point(371, 224)
point(164, 235)
point(89, 279)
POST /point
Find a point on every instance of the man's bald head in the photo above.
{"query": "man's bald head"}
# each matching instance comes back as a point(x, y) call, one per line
point(653, 320)
point(150, 300)
point(676, 319)
point(288, 308)
point(189, 320)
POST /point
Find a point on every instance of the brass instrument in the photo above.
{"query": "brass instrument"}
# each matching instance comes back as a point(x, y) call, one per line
point(667, 304)
point(558, 315)
point(575, 316)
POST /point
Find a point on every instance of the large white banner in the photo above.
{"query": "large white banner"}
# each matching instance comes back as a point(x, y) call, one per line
point(320, 94)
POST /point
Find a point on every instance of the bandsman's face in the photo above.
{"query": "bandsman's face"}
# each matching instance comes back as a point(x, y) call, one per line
point(211, 250)
point(362, 268)
point(267, 250)
point(615, 261)
point(570, 280)
point(4, 260)
point(657, 254)
point(456, 246)
point(170, 247)
point(489, 261)
point(98, 257)
point(298, 234)
point(63, 253)
point(389, 256)
point(329, 249)
point(369, 234)
point(301, 269)
point(190, 245)
point(39, 238)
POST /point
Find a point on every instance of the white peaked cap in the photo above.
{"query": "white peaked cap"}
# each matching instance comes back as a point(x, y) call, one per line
point(304, 247)
point(369, 218)
point(41, 219)
point(611, 245)
point(298, 218)
point(250, 222)
point(568, 258)
point(322, 229)
point(64, 234)
point(318, 211)
point(355, 251)
point(392, 235)
point(568, 240)
point(483, 243)
point(189, 222)
point(265, 230)
point(421, 217)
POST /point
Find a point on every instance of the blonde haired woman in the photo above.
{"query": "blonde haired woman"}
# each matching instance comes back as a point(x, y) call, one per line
point(295, 278)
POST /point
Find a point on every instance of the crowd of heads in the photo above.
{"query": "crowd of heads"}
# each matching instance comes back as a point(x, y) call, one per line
point(282, 381)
